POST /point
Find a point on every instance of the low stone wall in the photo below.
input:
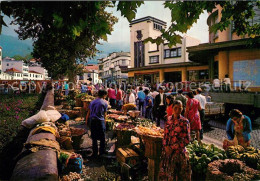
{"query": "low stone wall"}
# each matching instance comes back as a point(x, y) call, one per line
point(40, 165)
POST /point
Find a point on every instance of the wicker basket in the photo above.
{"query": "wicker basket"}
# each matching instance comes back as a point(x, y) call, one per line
point(153, 146)
point(123, 137)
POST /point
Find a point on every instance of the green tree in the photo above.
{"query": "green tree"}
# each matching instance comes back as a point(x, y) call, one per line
point(64, 32)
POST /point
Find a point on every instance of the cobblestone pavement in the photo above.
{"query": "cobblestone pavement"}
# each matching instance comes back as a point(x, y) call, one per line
point(217, 132)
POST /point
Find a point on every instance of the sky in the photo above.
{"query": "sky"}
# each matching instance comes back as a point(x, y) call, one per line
point(156, 9)
point(121, 33)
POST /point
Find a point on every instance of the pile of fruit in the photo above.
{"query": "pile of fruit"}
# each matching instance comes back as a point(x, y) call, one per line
point(249, 155)
point(87, 98)
point(231, 169)
point(144, 122)
point(153, 131)
point(202, 154)
point(124, 126)
point(71, 176)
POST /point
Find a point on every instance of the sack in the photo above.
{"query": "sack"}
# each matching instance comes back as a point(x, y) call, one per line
point(41, 117)
point(53, 115)
point(29, 122)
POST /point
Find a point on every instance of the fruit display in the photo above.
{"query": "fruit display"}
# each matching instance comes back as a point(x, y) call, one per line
point(128, 107)
point(144, 122)
point(113, 111)
point(113, 116)
point(231, 170)
point(153, 131)
point(124, 126)
point(77, 131)
point(250, 155)
point(87, 98)
point(202, 154)
point(71, 176)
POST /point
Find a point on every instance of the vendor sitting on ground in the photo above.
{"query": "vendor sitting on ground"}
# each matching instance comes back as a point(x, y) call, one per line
point(174, 158)
point(239, 127)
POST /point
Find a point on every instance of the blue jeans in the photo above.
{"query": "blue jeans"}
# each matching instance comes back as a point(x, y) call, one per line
point(141, 106)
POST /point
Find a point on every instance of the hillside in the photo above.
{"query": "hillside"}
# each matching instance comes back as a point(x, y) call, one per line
point(13, 46)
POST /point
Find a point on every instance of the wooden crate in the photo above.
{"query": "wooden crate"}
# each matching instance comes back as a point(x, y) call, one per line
point(123, 137)
point(128, 156)
point(153, 146)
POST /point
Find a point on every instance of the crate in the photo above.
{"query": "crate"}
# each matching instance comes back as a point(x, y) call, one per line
point(123, 137)
point(127, 156)
point(153, 146)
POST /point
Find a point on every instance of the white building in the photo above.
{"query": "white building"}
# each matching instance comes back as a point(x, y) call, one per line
point(34, 66)
point(33, 75)
point(110, 67)
point(18, 65)
point(90, 75)
point(157, 63)
point(15, 74)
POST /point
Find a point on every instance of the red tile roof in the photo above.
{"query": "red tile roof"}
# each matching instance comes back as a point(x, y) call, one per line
point(32, 71)
point(13, 70)
point(91, 67)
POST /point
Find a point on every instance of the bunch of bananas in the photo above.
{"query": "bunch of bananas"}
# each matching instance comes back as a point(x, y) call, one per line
point(249, 155)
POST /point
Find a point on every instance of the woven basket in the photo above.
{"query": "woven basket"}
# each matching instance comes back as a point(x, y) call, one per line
point(153, 146)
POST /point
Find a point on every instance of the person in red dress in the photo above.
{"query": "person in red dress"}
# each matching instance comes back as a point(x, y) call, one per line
point(169, 101)
point(175, 159)
point(192, 114)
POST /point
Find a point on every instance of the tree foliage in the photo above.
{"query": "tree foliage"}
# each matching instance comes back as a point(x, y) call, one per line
point(64, 32)
point(185, 13)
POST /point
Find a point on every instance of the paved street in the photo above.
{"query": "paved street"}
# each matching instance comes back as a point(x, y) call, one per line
point(216, 133)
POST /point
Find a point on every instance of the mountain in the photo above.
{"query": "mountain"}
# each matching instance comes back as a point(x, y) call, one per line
point(13, 46)
point(107, 48)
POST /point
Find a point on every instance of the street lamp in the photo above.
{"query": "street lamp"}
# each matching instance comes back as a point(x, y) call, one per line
point(112, 66)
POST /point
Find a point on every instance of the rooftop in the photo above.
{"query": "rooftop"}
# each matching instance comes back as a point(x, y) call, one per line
point(13, 70)
point(32, 71)
point(148, 18)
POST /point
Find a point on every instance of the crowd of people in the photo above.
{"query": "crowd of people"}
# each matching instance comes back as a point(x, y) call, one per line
point(180, 115)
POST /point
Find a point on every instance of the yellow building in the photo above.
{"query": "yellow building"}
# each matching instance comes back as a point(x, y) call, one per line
point(226, 53)
point(153, 63)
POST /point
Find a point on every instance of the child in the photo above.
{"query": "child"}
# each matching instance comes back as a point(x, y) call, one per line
point(174, 159)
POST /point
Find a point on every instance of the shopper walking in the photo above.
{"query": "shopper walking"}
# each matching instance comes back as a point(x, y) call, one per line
point(112, 96)
point(96, 121)
point(148, 102)
point(203, 101)
point(141, 97)
point(192, 114)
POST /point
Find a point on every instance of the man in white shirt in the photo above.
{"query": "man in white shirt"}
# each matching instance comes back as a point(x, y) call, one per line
point(202, 100)
point(227, 83)
point(216, 84)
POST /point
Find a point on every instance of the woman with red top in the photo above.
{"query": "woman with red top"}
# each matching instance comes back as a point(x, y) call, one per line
point(192, 114)
point(169, 101)
point(174, 159)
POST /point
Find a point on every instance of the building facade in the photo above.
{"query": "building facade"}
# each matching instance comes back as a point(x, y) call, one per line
point(228, 54)
point(110, 67)
point(90, 75)
point(152, 63)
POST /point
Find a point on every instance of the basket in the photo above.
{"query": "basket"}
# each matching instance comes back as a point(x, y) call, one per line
point(123, 137)
point(153, 146)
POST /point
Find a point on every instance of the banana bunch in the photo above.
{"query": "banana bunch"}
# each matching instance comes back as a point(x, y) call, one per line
point(235, 151)
point(249, 155)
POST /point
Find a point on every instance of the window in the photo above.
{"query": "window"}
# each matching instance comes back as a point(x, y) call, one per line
point(170, 53)
point(174, 53)
point(167, 53)
point(179, 52)
point(7, 64)
point(154, 59)
point(157, 27)
point(123, 62)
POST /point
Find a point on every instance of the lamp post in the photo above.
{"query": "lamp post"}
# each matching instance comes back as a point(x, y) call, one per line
point(112, 66)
